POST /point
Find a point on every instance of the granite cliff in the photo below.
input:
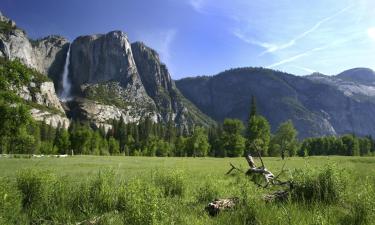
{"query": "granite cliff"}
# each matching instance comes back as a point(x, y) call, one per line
point(111, 78)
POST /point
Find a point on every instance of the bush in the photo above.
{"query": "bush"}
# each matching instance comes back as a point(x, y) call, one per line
point(325, 185)
point(35, 188)
point(140, 203)
point(207, 192)
point(10, 201)
point(96, 195)
point(172, 183)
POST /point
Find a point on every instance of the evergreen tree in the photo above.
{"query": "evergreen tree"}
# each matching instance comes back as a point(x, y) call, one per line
point(258, 135)
point(198, 143)
point(180, 146)
point(113, 146)
point(285, 137)
point(231, 139)
point(62, 141)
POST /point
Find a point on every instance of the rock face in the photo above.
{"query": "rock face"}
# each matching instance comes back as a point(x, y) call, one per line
point(126, 80)
point(316, 107)
point(46, 56)
point(162, 89)
point(100, 58)
point(109, 79)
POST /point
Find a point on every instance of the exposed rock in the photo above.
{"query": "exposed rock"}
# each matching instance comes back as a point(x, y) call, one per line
point(46, 55)
point(161, 88)
point(49, 118)
point(107, 70)
point(101, 114)
point(47, 96)
point(101, 58)
point(363, 76)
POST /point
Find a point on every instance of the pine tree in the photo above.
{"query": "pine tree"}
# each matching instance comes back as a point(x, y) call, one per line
point(258, 132)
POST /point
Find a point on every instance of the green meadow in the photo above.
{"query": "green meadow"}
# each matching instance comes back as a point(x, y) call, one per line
point(151, 190)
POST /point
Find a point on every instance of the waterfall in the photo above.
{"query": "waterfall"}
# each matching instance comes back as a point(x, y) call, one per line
point(66, 85)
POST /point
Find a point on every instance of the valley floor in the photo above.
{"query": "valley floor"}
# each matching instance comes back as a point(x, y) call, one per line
point(176, 190)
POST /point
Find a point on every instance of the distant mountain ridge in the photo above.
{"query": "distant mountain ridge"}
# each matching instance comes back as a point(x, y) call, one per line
point(317, 104)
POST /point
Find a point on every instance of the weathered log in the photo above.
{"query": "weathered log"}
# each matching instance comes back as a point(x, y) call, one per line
point(254, 170)
point(218, 205)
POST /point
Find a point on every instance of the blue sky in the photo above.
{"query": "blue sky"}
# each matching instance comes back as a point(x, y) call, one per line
point(204, 37)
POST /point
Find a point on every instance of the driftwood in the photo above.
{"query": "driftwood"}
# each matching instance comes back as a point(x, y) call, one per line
point(256, 173)
point(218, 205)
point(259, 172)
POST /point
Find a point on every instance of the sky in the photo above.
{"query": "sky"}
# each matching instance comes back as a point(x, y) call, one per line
point(205, 37)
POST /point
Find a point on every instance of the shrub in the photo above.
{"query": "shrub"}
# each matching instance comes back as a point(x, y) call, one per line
point(10, 201)
point(140, 203)
point(325, 185)
point(97, 195)
point(207, 192)
point(172, 183)
point(35, 188)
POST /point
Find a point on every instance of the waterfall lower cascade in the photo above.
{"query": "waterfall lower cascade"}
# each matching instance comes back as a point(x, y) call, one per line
point(66, 85)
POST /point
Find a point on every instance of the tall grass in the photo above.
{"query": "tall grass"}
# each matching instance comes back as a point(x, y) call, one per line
point(319, 196)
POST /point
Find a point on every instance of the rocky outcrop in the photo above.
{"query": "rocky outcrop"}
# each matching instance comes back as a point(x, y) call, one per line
point(316, 108)
point(129, 78)
point(47, 96)
point(49, 118)
point(110, 79)
point(46, 55)
point(45, 105)
point(100, 58)
point(154, 75)
point(102, 115)
point(162, 89)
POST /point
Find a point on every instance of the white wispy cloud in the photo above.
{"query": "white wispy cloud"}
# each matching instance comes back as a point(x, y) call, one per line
point(293, 41)
point(313, 50)
point(252, 41)
point(274, 47)
point(308, 70)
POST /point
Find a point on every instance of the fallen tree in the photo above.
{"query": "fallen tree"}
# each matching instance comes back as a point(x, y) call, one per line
point(262, 177)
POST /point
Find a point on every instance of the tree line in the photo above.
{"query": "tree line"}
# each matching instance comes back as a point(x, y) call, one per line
point(20, 134)
point(147, 138)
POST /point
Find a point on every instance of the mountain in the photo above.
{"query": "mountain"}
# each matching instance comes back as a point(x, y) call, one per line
point(358, 83)
point(317, 104)
point(110, 77)
point(45, 56)
point(361, 75)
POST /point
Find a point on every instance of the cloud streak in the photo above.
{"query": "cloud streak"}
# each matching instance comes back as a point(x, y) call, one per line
point(309, 52)
point(293, 41)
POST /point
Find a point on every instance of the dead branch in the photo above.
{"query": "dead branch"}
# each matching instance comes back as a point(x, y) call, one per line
point(233, 168)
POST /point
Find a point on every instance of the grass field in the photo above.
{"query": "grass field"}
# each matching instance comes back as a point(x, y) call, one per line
point(141, 190)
